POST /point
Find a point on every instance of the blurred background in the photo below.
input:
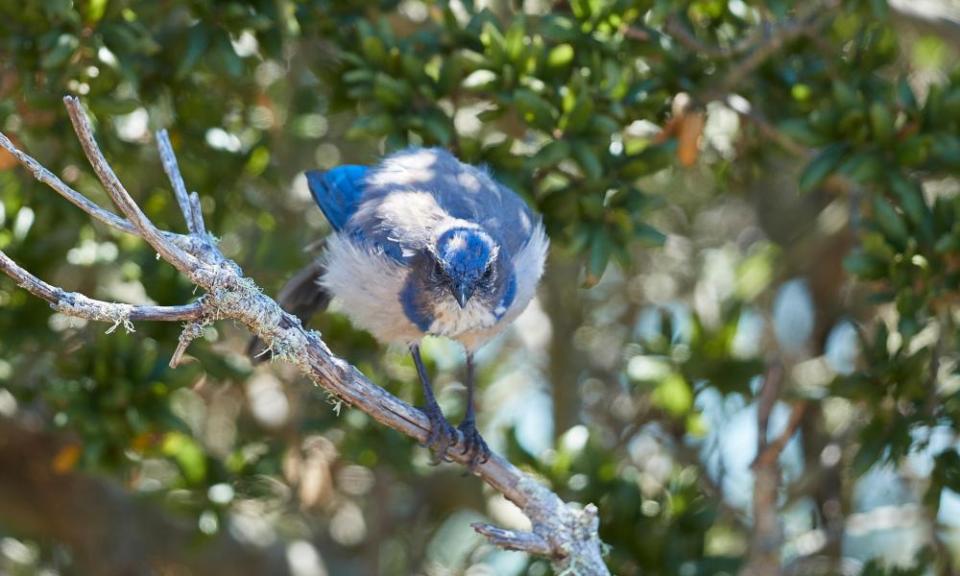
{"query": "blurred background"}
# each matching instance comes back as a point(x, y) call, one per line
point(732, 189)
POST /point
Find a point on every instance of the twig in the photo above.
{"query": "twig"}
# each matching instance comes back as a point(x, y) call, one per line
point(78, 305)
point(678, 31)
point(191, 332)
point(770, 131)
point(196, 212)
point(58, 185)
point(144, 227)
point(764, 556)
point(773, 450)
point(811, 19)
point(169, 161)
point(565, 533)
point(513, 540)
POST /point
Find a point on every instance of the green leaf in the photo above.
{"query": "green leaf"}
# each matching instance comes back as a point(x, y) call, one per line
point(579, 117)
point(197, 42)
point(439, 128)
point(536, 110)
point(821, 166)
point(373, 49)
point(600, 250)
point(391, 91)
point(861, 167)
point(650, 160)
point(588, 160)
point(909, 195)
point(513, 40)
point(890, 224)
point(673, 395)
point(559, 29)
point(881, 122)
point(188, 455)
point(799, 129)
point(375, 125)
point(62, 50)
point(865, 266)
point(552, 153)
point(94, 10)
point(905, 96)
point(649, 236)
point(451, 72)
point(560, 56)
point(914, 150)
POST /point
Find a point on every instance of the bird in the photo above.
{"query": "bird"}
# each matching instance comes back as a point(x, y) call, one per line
point(424, 244)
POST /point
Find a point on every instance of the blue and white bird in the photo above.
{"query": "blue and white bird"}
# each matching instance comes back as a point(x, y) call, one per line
point(424, 244)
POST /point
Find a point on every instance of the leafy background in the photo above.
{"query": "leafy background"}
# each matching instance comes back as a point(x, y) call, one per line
point(728, 186)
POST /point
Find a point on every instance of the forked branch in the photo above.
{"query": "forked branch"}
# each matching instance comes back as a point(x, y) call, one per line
point(565, 533)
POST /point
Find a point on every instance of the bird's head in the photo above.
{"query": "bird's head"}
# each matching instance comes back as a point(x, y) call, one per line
point(467, 262)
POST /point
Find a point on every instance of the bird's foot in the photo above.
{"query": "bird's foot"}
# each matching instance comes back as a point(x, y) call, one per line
point(473, 443)
point(442, 434)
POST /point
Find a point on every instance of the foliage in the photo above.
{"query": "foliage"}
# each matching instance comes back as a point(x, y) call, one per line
point(691, 160)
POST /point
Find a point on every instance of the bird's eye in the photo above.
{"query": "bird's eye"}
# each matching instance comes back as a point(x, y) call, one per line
point(488, 273)
point(437, 269)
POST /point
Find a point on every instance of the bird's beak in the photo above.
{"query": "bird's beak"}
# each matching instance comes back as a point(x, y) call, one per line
point(462, 294)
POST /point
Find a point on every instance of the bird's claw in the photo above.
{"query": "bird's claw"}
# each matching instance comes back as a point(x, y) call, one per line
point(473, 444)
point(442, 435)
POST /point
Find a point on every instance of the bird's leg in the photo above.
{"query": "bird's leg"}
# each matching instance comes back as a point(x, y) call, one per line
point(473, 443)
point(442, 434)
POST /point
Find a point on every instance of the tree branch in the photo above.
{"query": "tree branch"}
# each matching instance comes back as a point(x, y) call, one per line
point(124, 202)
point(76, 198)
point(767, 537)
point(565, 533)
point(172, 169)
point(78, 305)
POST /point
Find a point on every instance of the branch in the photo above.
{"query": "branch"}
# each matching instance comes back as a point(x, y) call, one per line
point(124, 202)
point(565, 533)
point(76, 198)
point(78, 305)
point(767, 537)
point(109, 532)
point(773, 450)
point(771, 40)
point(172, 169)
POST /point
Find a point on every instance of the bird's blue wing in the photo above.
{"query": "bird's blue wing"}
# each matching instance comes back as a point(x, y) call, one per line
point(337, 192)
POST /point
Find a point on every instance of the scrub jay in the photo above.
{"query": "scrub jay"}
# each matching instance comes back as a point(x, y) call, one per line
point(425, 244)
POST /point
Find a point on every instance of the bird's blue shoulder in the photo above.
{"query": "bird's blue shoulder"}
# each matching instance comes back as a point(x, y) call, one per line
point(337, 191)
point(415, 307)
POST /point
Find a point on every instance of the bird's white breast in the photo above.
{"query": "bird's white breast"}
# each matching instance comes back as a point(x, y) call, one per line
point(368, 284)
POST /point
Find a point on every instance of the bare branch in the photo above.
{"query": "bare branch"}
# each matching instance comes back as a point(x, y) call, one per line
point(191, 332)
point(764, 556)
point(774, 38)
point(196, 211)
point(566, 533)
point(676, 29)
point(80, 306)
point(178, 258)
point(76, 198)
point(513, 540)
point(773, 450)
point(170, 166)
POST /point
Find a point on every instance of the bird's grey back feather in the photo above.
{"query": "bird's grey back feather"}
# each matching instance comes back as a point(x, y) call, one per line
point(414, 192)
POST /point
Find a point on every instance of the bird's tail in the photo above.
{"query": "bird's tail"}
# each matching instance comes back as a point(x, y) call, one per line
point(303, 296)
